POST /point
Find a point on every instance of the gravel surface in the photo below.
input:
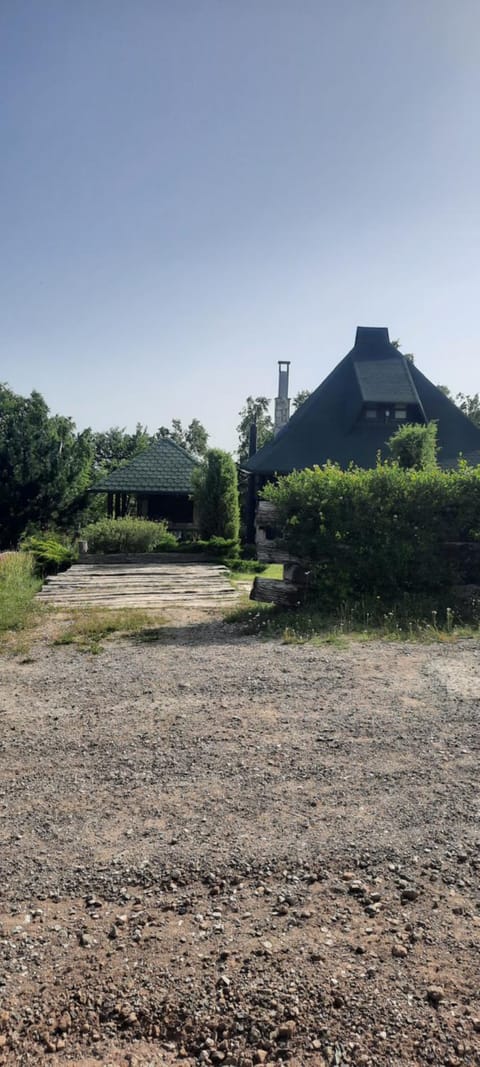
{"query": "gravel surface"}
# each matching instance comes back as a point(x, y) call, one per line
point(216, 850)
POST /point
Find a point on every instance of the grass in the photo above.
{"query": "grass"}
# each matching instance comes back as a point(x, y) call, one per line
point(18, 586)
point(412, 619)
point(87, 628)
point(269, 570)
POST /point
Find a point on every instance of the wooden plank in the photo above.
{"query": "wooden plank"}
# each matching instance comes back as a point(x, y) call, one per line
point(269, 591)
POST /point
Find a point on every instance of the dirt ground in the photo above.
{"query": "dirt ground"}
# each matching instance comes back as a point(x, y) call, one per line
point(217, 850)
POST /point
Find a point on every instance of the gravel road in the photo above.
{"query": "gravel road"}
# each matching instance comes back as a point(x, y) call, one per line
point(216, 850)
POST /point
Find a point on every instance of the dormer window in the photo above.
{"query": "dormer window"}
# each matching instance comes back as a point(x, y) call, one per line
point(375, 413)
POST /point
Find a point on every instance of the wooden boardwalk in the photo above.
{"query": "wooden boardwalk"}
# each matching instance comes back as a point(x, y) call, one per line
point(138, 584)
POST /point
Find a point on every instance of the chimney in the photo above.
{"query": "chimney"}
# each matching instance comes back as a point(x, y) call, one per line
point(282, 402)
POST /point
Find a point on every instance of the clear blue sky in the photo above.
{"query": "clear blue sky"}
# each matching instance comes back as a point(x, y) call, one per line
point(193, 189)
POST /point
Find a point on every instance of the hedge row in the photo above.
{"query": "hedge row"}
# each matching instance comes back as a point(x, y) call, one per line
point(379, 531)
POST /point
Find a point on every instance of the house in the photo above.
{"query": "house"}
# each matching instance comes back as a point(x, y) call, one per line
point(159, 480)
point(353, 413)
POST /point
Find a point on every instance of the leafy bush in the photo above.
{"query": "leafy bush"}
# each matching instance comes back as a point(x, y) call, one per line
point(220, 547)
point(18, 586)
point(246, 566)
point(50, 554)
point(415, 447)
point(215, 492)
point(379, 532)
point(128, 535)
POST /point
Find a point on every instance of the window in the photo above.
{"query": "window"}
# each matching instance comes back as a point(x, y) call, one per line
point(371, 413)
point(400, 412)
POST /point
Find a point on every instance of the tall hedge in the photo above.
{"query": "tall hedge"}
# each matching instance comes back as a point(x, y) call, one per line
point(379, 531)
point(216, 496)
point(415, 446)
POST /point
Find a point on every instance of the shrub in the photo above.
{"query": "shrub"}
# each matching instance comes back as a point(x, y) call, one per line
point(128, 535)
point(215, 494)
point(246, 566)
point(380, 531)
point(415, 447)
point(220, 547)
point(50, 555)
point(18, 586)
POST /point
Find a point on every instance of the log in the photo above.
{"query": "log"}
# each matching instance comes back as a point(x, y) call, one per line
point(269, 553)
point(296, 573)
point(270, 591)
point(266, 513)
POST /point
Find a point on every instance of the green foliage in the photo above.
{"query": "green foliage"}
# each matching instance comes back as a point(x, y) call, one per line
point(414, 446)
point(376, 532)
point(194, 438)
point(408, 355)
point(246, 566)
point(300, 398)
point(44, 465)
point(410, 619)
point(215, 493)
point(255, 410)
point(128, 535)
point(215, 547)
point(470, 405)
point(88, 627)
point(49, 553)
point(114, 447)
point(18, 586)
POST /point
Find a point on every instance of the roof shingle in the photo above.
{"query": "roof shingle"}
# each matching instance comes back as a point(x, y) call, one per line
point(164, 467)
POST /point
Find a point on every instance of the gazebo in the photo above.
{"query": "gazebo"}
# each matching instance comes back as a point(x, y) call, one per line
point(159, 480)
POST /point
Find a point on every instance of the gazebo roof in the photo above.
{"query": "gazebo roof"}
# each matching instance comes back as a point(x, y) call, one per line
point(329, 426)
point(164, 467)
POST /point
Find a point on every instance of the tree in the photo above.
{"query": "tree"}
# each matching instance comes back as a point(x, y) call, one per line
point(215, 494)
point(470, 405)
point(115, 446)
point(45, 465)
point(254, 410)
point(415, 446)
point(408, 355)
point(300, 398)
point(194, 438)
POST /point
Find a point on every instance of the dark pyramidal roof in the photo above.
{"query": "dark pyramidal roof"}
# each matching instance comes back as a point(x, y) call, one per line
point(330, 426)
point(164, 467)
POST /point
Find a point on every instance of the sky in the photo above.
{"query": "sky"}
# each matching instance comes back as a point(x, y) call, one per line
point(191, 190)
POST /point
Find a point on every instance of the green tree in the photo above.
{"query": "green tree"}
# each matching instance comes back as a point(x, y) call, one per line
point(194, 438)
point(408, 355)
point(254, 410)
point(300, 398)
point(415, 446)
point(470, 405)
point(45, 465)
point(115, 446)
point(215, 494)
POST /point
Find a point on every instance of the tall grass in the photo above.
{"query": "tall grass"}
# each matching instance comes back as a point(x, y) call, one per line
point(414, 618)
point(18, 586)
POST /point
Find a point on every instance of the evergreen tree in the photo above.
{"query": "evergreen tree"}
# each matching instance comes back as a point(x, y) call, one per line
point(216, 496)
